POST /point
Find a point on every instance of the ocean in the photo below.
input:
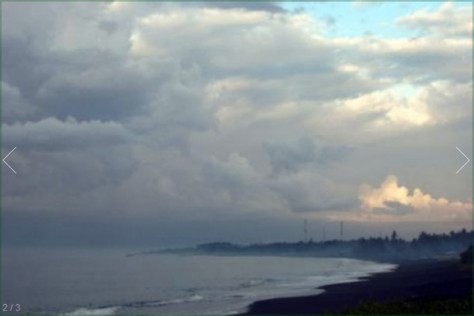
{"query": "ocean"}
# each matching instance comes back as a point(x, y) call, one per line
point(108, 282)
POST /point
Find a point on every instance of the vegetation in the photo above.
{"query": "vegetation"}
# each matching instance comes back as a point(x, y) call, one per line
point(393, 249)
point(466, 256)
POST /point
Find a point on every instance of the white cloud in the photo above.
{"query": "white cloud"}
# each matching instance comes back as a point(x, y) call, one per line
point(395, 110)
point(447, 20)
point(392, 202)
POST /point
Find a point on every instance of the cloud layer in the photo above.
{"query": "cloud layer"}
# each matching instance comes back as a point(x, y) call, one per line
point(240, 110)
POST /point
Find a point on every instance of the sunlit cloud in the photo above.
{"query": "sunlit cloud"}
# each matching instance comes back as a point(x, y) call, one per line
point(393, 202)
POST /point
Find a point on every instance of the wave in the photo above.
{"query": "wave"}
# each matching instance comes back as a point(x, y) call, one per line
point(111, 310)
point(324, 279)
point(194, 298)
point(155, 303)
point(245, 295)
point(255, 282)
point(93, 312)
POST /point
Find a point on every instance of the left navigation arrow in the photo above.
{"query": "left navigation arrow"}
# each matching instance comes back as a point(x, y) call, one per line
point(5, 160)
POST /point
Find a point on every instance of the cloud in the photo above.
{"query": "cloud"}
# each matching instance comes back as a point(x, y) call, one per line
point(210, 110)
point(447, 20)
point(392, 202)
point(88, 91)
point(291, 155)
point(52, 134)
point(15, 107)
point(309, 192)
point(394, 112)
point(251, 6)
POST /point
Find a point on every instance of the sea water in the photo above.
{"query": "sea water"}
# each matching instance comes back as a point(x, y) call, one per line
point(107, 281)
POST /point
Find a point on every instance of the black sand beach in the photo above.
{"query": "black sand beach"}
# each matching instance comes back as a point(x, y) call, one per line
point(425, 281)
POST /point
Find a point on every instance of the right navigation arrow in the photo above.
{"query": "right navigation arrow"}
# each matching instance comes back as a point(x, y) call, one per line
point(467, 160)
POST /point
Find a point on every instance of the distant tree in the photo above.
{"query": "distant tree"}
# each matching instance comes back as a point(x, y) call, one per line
point(423, 236)
point(394, 236)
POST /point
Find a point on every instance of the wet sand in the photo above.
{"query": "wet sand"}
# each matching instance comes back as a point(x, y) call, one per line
point(419, 281)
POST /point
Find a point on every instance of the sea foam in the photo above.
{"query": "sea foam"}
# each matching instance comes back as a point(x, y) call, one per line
point(93, 312)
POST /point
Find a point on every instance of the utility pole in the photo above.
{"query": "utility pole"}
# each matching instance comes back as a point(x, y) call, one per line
point(305, 230)
point(342, 230)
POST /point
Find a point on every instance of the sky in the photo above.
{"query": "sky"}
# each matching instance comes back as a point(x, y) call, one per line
point(153, 124)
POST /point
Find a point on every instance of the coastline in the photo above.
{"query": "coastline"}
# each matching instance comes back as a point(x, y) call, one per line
point(413, 282)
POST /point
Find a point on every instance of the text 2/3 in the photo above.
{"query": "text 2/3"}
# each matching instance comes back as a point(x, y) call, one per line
point(11, 307)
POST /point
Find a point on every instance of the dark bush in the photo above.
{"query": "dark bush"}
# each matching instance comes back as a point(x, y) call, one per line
point(466, 256)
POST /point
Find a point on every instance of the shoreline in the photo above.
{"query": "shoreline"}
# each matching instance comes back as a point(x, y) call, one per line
point(413, 282)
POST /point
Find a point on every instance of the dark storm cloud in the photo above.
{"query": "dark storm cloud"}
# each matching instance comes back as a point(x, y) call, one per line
point(151, 232)
point(84, 85)
point(317, 198)
point(310, 191)
point(15, 107)
point(72, 172)
point(101, 90)
point(291, 155)
point(24, 66)
point(54, 135)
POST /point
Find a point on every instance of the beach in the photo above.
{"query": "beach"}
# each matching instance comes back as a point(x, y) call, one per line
point(411, 284)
